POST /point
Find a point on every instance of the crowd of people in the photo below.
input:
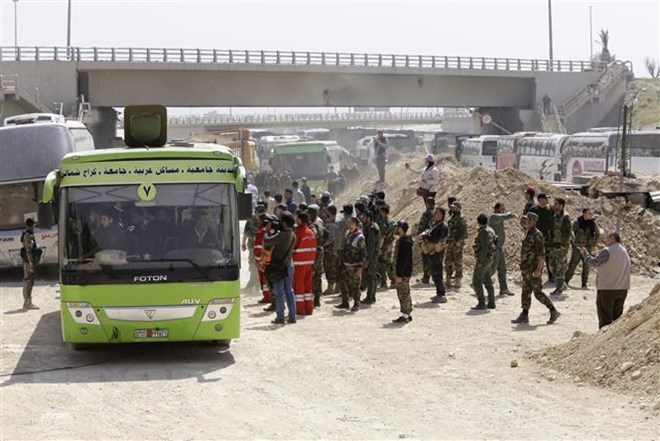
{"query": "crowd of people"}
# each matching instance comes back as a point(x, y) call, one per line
point(360, 250)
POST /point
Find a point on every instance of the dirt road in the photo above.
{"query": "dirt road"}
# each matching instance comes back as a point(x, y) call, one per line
point(333, 375)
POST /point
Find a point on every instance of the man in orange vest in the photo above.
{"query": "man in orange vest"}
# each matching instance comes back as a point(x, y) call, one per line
point(304, 255)
point(258, 255)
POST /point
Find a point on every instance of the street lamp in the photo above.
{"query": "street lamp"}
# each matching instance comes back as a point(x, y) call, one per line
point(68, 26)
point(16, 23)
point(550, 27)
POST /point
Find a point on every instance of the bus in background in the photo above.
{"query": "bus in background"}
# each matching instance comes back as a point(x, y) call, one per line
point(589, 154)
point(507, 150)
point(267, 144)
point(309, 159)
point(540, 156)
point(163, 263)
point(242, 145)
point(30, 149)
point(644, 148)
point(481, 150)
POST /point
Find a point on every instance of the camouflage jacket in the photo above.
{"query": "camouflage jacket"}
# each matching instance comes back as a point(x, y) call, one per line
point(485, 245)
point(457, 228)
point(320, 231)
point(371, 235)
point(425, 221)
point(354, 249)
point(387, 229)
point(532, 250)
point(586, 233)
point(251, 228)
point(561, 233)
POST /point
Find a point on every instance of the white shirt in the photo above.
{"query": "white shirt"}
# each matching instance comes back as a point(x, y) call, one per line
point(430, 178)
point(299, 197)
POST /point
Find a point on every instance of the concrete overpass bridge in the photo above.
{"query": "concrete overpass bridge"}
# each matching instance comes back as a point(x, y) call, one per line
point(510, 90)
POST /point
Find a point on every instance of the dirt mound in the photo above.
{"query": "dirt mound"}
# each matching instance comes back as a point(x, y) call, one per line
point(478, 189)
point(624, 356)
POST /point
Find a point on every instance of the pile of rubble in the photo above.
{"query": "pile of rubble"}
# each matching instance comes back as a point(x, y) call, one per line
point(479, 189)
point(624, 356)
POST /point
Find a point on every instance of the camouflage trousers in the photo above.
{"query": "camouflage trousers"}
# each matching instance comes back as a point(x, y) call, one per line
point(481, 277)
point(317, 275)
point(385, 267)
point(28, 284)
point(531, 284)
point(349, 283)
point(403, 292)
point(454, 258)
point(576, 258)
point(330, 265)
point(558, 265)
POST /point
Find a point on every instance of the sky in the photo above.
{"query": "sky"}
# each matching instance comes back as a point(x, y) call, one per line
point(490, 28)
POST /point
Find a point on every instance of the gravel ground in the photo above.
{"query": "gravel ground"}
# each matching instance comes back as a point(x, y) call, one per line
point(334, 375)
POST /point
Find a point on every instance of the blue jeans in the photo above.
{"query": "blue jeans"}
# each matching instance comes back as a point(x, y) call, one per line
point(284, 294)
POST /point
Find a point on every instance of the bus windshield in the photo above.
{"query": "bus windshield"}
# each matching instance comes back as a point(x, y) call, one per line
point(188, 232)
point(312, 165)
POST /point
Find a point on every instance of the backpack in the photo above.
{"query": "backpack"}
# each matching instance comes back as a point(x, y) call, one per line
point(36, 252)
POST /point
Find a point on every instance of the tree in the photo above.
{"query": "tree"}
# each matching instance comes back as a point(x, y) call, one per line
point(605, 55)
point(652, 67)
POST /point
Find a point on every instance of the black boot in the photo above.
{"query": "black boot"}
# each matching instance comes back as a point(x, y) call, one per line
point(523, 318)
point(480, 307)
point(356, 307)
point(554, 315)
point(317, 300)
point(343, 305)
point(491, 300)
point(271, 308)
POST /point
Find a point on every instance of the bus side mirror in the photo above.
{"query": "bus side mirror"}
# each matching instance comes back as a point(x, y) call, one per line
point(46, 215)
point(244, 206)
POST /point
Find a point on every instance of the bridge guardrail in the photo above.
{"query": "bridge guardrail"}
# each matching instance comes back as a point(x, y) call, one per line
point(288, 58)
point(196, 120)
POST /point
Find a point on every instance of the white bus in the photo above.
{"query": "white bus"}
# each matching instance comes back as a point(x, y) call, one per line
point(589, 154)
point(540, 156)
point(267, 144)
point(481, 150)
point(29, 152)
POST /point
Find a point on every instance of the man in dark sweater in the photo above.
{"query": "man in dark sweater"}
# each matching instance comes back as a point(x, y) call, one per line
point(404, 264)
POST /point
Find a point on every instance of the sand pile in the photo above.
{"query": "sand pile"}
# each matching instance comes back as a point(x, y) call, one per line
point(624, 356)
point(479, 189)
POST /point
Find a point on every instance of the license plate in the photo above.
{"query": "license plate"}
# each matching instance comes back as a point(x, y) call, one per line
point(150, 333)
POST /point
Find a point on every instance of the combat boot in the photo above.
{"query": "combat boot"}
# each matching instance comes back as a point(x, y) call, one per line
point(480, 307)
point(554, 315)
point(523, 318)
point(506, 292)
point(329, 290)
point(343, 305)
point(356, 307)
point(317, 300)
point(491, 299)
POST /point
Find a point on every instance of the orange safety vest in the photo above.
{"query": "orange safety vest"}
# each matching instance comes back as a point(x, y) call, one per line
point(304, 250)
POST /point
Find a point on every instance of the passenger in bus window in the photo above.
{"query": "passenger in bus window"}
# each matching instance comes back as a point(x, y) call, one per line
point(81, 243)
point(143, 237)
point(94, 220)
point(200, 235)
point(111, 236)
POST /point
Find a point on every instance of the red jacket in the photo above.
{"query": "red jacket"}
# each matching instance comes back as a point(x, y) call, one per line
point(304, 250)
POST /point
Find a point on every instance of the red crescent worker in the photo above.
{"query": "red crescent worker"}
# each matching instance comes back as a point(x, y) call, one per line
point(304, 255)
point(258, 253)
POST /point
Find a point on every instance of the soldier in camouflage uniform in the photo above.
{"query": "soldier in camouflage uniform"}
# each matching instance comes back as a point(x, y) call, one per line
point(371, 237)
point(352, 258)
point(586, 234)
point(532, 257)
point(544, 224)
point(329, 256)
point(485, 247)
point(321, 237)
point(561, 236)
point(387, 229)
point(424, 223)
point(249, 231)
point(337, 247)
point(30, 253)
point(455, 243)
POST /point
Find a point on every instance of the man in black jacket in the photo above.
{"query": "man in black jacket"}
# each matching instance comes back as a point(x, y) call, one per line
point(404, 266)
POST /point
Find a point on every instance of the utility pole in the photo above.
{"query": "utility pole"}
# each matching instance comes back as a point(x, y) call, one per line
point(16, 24)
point(591, 36)
point(68, 26)
point(550, 30)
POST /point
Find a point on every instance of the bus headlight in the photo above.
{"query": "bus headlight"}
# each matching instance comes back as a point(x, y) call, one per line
point(83, 313)
point(218, 309)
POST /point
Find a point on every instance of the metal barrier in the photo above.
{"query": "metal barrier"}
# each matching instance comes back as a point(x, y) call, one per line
point(289, 58)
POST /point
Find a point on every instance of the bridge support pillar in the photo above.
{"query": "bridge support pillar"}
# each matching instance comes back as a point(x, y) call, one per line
point(505, 117)
point(102, 124)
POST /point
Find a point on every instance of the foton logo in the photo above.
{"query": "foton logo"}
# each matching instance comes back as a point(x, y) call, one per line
point(148, 279)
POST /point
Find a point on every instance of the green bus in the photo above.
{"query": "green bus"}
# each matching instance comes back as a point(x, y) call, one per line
point(149, 238)
point(310, 159)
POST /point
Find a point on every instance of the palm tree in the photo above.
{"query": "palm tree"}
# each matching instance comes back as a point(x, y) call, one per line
point(604, 37)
